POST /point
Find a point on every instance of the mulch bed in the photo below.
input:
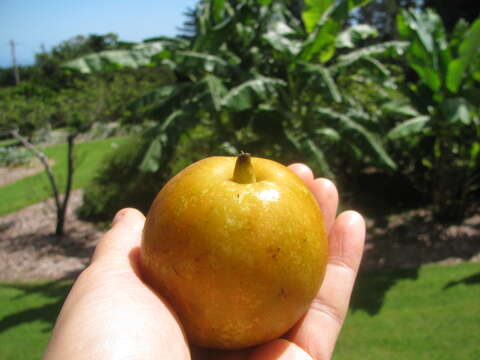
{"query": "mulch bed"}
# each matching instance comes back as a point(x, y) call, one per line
point(413, 238)
point(29, 251)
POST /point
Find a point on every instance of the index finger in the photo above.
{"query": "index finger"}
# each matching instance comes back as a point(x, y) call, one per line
point(324, 191)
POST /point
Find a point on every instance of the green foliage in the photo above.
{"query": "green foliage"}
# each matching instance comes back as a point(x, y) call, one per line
point(444, 128)
point(265, 82)
point(107, 60)
point(26, 107)
point(31, 107)
point(48, 69)
point(118, 183)
point(414, 125)
point(11, 156)
point(129, 188)
point(50, 96)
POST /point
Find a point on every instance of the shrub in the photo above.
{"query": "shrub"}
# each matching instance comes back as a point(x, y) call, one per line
point(12, 156)
point(119, 184)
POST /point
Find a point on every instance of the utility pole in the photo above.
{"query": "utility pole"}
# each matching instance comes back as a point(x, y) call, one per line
point(14, 63)
point(40, 58)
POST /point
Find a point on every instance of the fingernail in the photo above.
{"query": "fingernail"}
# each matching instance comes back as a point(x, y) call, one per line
point(120, 214)
point(355, 218)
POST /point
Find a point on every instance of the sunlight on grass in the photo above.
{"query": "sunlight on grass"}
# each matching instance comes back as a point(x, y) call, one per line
point(426, 313)
point(35, 188)
point(27, 315)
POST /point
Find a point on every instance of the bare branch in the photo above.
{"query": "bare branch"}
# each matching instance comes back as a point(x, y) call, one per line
point(44, 160)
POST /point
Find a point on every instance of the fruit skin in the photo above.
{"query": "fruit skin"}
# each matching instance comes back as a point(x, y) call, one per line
point(240, 263)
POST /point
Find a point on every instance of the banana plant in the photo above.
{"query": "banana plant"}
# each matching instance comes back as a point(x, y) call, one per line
point(445, 123)
point(264, 78)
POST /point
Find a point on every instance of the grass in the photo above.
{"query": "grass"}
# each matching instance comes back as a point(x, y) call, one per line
point(27, 314)
point(427, 313)
point(9, 142)
point(35, 188)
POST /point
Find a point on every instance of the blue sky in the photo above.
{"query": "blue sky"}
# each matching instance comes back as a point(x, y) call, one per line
point(31, 23)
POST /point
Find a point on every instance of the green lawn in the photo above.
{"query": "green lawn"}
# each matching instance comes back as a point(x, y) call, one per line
point(9, 142)
point(27, 312)
point(35, 188)
point(429, 313)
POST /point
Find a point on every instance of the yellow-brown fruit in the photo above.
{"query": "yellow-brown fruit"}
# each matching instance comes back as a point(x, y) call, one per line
point(239, 251)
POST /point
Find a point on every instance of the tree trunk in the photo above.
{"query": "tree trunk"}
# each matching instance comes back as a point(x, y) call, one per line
point(62, 209)
point(59, 229)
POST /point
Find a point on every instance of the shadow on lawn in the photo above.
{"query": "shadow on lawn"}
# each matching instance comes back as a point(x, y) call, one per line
point(397, 250)
point(469, 280)
point(47, 314)
point(372, 286)
point(402, 236)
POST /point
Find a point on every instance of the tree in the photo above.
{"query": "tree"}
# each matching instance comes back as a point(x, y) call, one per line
point(49, 98)
point(48, 70)
point(76, 110)
point(265, 80)
point(382, 13)
point(25, 107)
point(444, 128)
point(60, 204)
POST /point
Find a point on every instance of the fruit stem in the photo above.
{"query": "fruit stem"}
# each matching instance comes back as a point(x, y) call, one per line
point(243, 173)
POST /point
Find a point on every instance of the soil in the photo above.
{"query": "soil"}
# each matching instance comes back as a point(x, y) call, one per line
point(29, 251)
point(413, 238)
point(10, 174)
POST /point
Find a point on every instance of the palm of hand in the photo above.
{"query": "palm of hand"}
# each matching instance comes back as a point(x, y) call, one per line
point(110, 313)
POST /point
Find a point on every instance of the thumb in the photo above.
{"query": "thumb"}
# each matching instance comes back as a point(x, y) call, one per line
point(124, 236)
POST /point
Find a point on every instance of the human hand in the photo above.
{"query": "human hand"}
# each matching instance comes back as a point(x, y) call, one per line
point(111, 314)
